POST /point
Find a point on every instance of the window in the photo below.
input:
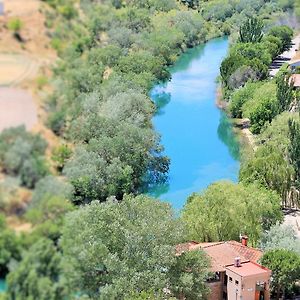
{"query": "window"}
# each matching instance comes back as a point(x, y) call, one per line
point(230, 279)
point(236, 282)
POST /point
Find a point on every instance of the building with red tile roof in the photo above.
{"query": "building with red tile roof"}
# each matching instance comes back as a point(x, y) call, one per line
point(237, 274)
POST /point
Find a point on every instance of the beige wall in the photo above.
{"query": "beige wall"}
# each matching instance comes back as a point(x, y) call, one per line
point(245, 289)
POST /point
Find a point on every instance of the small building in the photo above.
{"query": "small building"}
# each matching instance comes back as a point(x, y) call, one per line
point(236, 272)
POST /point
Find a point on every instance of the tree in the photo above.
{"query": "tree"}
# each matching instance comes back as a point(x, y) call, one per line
point(22, 154)
point(50, 186)
point(191, 3)
point(37, 276)
point(60, 155)
point(280, 237)
point(251, 31)
point(284, 93)
point(285, 266)
point(225, 210)
point(127, 247)
point(284, 33)
point(15, 25)
point(294, 149)
point(9, 247)
point(188, 275)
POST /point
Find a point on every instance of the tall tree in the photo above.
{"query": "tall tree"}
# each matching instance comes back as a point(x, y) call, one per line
point(251, 31)
point(284, 92)
point(294, 149)
point(285, 266)
point(226, 209)
point(37, 277)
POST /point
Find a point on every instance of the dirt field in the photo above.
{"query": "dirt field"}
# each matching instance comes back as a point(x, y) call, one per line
point(17, 108)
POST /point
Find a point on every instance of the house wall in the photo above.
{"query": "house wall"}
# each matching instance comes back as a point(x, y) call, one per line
point(246, 287)
point(234, 290)
point(216, 288)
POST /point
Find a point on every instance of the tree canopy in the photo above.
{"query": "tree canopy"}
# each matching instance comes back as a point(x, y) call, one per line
point(113, 249)
point(225, 210)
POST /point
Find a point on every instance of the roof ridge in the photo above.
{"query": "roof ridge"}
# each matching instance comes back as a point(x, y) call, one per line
point(232, 242)
point(212, 244)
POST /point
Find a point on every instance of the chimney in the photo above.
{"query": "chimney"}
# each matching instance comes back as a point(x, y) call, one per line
point(244, 240)
point(237, 262)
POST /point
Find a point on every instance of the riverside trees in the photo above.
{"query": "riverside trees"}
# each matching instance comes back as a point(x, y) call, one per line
point(225, 210)
point(112, 250)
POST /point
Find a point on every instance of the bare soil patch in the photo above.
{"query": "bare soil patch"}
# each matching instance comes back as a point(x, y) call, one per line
point(17, 108)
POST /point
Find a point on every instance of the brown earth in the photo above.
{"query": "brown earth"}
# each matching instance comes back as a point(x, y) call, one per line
point(21, 64)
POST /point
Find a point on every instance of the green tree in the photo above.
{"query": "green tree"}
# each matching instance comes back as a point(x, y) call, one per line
point(225, 210)
point(37, 276)
point(294, 149)
point(251, 31)
point(280, 237)
point(284, 94)
point(9, 247)
point(60, 155)
point(125, 247)
point(285, 266)
point(284, 33)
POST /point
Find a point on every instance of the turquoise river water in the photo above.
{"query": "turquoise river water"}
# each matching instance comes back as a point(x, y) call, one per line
point(197, 136)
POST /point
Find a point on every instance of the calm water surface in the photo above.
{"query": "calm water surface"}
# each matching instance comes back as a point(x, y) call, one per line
point(196, 135)
point(2, 285)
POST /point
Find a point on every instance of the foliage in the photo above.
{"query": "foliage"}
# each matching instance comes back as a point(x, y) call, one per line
point(125, 247)
point(294, 149)
point(270, 165)
point(280, 237)
point(285, 94)
point(284, 33)
point(285, 266)
point(50, 186)
point(251, 31)
point(60, 155)
point(240, 97)
point(22, 154)
point(225, 210)
point(15, 25)
point(188, 275)
point(262, 107)
point(9, 247)
point(37, 276)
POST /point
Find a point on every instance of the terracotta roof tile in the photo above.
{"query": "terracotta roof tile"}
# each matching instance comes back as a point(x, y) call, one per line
point(222, 254)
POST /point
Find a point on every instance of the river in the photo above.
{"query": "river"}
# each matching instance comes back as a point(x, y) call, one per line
point(196, 135)
point(2, 285)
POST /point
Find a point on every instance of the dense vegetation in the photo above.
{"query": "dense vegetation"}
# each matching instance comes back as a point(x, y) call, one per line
point(272, 107)
point(92, 236)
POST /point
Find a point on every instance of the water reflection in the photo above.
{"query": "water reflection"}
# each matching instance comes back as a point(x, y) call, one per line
point(228, 137)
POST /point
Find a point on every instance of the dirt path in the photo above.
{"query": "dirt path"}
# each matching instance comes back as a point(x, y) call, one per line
point(20, 65)
point(285, 57)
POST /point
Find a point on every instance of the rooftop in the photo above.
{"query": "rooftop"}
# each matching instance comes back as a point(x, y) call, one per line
point(222, 254)
point(249, 269)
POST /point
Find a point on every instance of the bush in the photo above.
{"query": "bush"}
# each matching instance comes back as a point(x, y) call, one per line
point(60, 155)
point(15, 25)
point(22, 154)
point(284, 33)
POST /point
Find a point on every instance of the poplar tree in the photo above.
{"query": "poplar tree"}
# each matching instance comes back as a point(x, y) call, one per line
point(251, 31)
